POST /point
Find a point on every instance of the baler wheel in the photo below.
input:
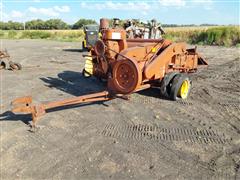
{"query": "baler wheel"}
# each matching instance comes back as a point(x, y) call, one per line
point(180, 88)
point(166, 84)
point(86, 74)
point(126, 76)
point(88, 66)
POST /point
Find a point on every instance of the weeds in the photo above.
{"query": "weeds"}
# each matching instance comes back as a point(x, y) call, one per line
point(221, 36)
point(59, 35)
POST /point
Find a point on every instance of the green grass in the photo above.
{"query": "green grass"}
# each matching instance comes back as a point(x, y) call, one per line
point(221, 36)
point(59, 35)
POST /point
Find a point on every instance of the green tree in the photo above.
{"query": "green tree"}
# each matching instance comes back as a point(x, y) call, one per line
point(35, 24)
point(56, 24)
point(82, 22)
point(10, 25)
point(49, 24)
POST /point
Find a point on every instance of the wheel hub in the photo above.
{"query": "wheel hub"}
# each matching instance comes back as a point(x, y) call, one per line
point(183, 92)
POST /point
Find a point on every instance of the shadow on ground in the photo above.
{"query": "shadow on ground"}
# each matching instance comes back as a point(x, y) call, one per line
point(151, 92)
point(69, 82)
point(75, 50)
point(74, 83)
point(10, 116)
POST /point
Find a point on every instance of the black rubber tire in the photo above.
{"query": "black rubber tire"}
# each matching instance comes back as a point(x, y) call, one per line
point(176, 84)
point(166, 83)
point(83, 74)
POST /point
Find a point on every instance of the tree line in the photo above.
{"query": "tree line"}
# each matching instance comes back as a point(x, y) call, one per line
point(50, 24)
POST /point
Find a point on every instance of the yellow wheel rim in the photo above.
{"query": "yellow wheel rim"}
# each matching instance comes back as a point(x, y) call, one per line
point(88, 67)
point(183, 91)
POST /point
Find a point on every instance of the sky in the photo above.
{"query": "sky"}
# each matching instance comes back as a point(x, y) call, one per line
point(222, 12)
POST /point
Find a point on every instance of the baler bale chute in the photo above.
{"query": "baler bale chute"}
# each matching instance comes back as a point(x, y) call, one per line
point(130, 65)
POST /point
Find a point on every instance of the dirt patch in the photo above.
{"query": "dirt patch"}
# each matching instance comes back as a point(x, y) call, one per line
point(145, 138)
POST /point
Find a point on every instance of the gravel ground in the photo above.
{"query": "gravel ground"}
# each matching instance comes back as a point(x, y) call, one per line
point(146, 137)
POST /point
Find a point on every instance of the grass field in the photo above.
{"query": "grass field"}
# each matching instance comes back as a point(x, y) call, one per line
point(222, 36)
point(59, 35)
